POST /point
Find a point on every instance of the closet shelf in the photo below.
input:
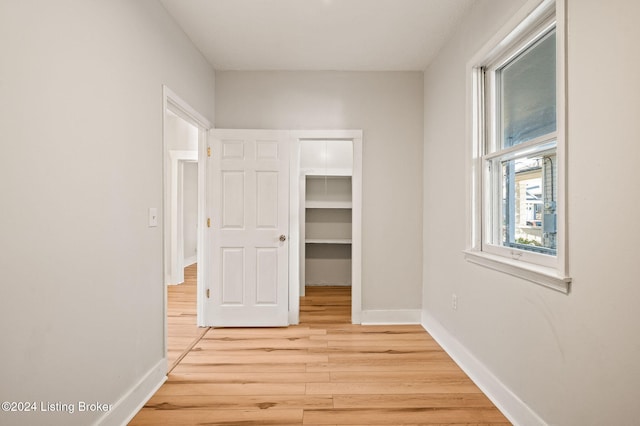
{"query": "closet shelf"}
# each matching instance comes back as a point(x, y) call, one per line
point(328, 240)
point(321, 173)
point(328, 204)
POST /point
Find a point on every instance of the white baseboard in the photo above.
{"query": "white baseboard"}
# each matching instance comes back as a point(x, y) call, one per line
point(508, 403)
point(190, 261)
point(134, 399)
point(391, 316)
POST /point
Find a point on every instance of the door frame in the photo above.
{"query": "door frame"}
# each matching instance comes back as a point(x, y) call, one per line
point(356, 221)
point(171, 101)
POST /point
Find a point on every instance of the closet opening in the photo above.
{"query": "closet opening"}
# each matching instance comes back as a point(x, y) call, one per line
point(326, 230)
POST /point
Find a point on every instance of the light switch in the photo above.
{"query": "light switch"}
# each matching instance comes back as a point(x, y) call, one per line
point(153, 217)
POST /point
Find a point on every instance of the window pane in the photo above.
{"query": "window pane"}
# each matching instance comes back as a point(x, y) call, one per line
point(529, 191)
point(528, 93)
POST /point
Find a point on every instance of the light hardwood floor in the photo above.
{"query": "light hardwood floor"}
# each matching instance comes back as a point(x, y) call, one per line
point(324, 371)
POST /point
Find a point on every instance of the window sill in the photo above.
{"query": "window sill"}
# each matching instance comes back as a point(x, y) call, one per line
point(542, 275)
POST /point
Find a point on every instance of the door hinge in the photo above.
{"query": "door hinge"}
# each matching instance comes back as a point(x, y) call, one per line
point(208, 293)
point(208, 151)
point(208, 223)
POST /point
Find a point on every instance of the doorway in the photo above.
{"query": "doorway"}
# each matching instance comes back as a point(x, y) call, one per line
point(329, 223)
point(184, 142)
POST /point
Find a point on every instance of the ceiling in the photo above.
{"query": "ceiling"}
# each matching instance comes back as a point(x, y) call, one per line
point(344, 35)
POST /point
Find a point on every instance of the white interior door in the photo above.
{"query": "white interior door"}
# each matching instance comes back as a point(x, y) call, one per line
point(248, 184)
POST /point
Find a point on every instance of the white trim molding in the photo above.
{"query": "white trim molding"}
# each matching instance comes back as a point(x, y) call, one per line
point(181, 108)
point(542, 275)
point(134, 399)
point(516, 410)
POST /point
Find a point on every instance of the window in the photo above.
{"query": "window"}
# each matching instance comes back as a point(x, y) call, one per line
point(518, 153)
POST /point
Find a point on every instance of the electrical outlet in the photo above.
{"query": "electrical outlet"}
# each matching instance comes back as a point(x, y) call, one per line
point(454, 302)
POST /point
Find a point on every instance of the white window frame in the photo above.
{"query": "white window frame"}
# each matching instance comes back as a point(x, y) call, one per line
point(535, 17)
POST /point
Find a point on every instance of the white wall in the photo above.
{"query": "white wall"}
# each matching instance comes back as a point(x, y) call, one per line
point(571, 358)
point(388, 107)
point(190, 212)
point(81, 311)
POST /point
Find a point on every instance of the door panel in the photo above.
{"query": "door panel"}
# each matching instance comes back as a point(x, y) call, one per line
point(249, 198)
point(266, 150)
point(267, 276)
point(232, 275)
point(232, 149)
point(233, 200)
point(267, 200)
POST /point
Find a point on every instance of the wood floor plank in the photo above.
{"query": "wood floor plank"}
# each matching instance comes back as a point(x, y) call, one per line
point(219, 417)
point(417, 424)
point(250, 343)
point(231, 389)
point(417, 400)
point(200, 350)
point(385, 365)
point(386, 355)
point(262, 333)
point(248, 377)
point(233, 402)
point(396, 376)
point(374, 388)
point(385, 342)
point(263, 358)
point(416, 348)
point(192, 366)
point(385, 416)
point(325, 371)
point(379, 337)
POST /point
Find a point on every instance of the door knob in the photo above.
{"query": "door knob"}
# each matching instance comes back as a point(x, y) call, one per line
point(283, 237)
